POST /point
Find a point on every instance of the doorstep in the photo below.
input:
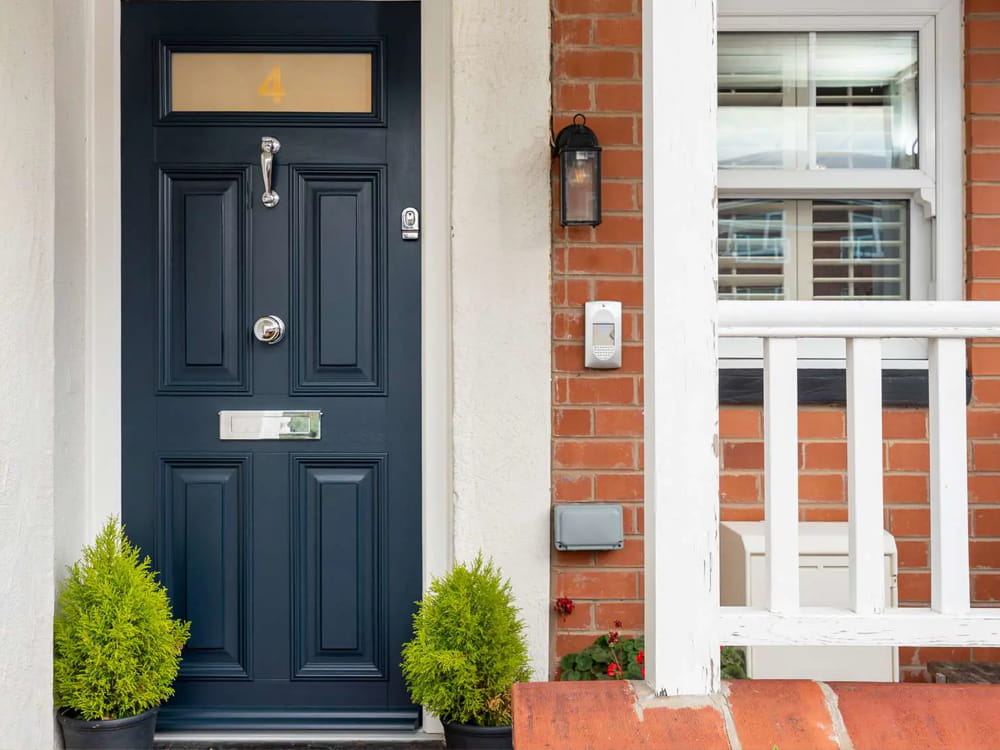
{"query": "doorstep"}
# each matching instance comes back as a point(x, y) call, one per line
point(311, 740)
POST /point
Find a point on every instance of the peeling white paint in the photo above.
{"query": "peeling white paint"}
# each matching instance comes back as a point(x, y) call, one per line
point(26, 371)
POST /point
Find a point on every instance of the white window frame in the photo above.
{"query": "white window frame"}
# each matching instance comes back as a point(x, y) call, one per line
point(935, 188)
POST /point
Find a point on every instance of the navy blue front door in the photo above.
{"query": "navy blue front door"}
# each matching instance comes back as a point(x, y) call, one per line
point(296, 560)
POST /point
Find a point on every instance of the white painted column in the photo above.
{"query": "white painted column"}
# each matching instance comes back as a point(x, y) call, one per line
point(681, 368)
point(27, 123)
point(501, 331)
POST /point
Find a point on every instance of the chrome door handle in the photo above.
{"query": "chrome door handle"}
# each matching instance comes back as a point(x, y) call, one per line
point(269, 146)
point(270, 329)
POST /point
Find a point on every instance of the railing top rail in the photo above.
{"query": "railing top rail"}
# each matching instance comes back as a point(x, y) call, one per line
point(881, 319)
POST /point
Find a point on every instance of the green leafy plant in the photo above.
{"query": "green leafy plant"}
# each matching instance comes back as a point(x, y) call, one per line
point(734, 663)
point(117, 645)
point(610, 657)
point(468, 647)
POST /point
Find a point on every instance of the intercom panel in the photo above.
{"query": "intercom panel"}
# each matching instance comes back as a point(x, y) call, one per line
point(603, 334)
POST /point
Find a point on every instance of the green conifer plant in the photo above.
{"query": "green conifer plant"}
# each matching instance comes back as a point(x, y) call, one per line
point(117, 644)
point(468, 647)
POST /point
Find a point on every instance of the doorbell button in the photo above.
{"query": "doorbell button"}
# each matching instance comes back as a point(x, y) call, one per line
point(603, 334)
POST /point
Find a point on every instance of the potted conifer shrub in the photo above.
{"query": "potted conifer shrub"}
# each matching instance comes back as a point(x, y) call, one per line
point(468, 650)
point(117, 646)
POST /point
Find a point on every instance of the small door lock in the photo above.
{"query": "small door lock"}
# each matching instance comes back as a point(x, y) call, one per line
point(269, 329)
point(410, 223)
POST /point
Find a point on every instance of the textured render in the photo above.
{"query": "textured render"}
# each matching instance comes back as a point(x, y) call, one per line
point(500, 282)
point(26, 375)
point(757, 715)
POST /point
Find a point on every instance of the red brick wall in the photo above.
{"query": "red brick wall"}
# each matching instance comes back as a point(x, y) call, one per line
point(597, 417)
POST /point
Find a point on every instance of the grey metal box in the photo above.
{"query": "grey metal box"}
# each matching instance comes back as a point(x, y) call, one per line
point(589, 526)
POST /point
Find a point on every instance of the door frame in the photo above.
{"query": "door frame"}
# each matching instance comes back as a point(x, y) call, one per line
point(103, 359)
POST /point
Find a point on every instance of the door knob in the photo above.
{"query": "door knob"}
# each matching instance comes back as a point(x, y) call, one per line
point(269, 329)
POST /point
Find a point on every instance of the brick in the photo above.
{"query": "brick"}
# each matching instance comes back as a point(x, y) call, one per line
point(597, 584)
point(568, 357)
point(570, 643)
point(581, 618)
point(981, 6)
point(983, 100)
point(913, 553)
point(571, 292)
point(822, 487)
point(905, 488)
point(745, 513)
point(986, 391)
point(619, 487)
point(737, 422)
point(984, 554)
point(984, 168)
point(618, 32)
point(594, 455)
point(834, 513)
point(630, 556)
point(571, 422)
point(984, 134)
point(623, 164)
point(799, 708)
point(910, 522)
point(985, 587)
point(825, 423)
point(618, 196)
point(588, 63)
point(597, 259)
point(984, 488)
point(985, 264)
point(983, 291)
point(914, 587)
point(919, 656)
point(613, 422)
point(984, 199)
point(986, 522)
point(602, 390)
point(630, 614)
point(572, 97)
point(740, 488)
point(909, 456)
point(986, 456)
point(569, 31)
point(587, 7)
point(743, 455)
point(572, 488)
point(904, 423)
point(984, 231)
point(618, 97)
point(613, 130)
point(982, 34)
point(984, 423)
point(982, 68)
point(985, 360)
point(629, 292)
point(986, 653)
point(567, 325)
point(824, 456)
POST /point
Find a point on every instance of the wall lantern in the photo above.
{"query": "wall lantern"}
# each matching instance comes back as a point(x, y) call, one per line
point(580, 174)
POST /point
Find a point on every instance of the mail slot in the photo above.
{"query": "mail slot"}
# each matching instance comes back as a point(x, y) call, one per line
point(269, 425)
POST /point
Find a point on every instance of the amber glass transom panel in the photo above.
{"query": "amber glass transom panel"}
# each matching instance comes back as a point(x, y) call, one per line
point(324, 82)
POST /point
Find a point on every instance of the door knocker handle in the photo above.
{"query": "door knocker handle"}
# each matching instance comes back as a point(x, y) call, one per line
point(269, 146)
point(270, 329)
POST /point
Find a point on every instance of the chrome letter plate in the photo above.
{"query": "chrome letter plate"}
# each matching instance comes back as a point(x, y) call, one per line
point(269, 425)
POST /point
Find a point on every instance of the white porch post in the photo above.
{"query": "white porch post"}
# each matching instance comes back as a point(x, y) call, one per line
point(681, 370)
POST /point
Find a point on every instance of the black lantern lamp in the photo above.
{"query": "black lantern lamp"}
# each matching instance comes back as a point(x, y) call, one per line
point(580, 174)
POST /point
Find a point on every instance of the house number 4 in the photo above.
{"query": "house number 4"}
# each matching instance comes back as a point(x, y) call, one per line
point(271, 85)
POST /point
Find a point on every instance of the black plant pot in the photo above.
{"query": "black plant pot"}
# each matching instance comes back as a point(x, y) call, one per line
point(130, 733)
point(472, 737)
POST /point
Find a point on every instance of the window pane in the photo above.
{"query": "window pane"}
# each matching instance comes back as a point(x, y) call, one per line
point(818, 100)
point(753, 249)
point(859, 249)
point(813, 249)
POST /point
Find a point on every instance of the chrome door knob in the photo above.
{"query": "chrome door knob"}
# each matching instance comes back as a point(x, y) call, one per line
point(269, 329)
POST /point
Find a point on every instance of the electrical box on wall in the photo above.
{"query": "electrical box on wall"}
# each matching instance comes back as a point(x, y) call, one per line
point(588, 526)
point(824, 581)
point(602, 334)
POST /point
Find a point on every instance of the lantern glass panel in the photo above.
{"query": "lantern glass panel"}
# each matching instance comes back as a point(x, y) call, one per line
point(580, 186)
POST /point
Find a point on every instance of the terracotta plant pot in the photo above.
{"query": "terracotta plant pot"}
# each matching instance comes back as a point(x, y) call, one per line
point(472, 737)
point(130, 733)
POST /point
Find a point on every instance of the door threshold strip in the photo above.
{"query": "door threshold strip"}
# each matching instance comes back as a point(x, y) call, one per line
point(312, 739)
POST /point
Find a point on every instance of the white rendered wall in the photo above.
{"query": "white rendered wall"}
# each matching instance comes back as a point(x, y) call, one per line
point(501, 244)
point(26, 375)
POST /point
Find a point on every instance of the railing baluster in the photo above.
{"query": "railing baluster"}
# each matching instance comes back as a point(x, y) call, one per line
point(864, 474)
point(781, 473)
point(949, 482)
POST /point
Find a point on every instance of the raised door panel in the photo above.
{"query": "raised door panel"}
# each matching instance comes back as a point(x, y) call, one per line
point(205, 553)
point(338, 279)
point(339, 601)
point(204, 277)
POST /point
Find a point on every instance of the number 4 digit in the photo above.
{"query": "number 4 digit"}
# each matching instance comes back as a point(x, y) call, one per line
point(271, 85)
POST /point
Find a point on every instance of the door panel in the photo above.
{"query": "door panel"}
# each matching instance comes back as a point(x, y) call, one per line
point(297, 561)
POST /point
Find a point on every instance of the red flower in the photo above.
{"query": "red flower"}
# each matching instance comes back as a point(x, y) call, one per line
point(613, 637)
point(641, 657)
point(614, 670)
point(618, 624)
point(564, 606)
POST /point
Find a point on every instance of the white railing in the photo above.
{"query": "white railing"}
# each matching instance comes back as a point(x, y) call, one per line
point(950, 620)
